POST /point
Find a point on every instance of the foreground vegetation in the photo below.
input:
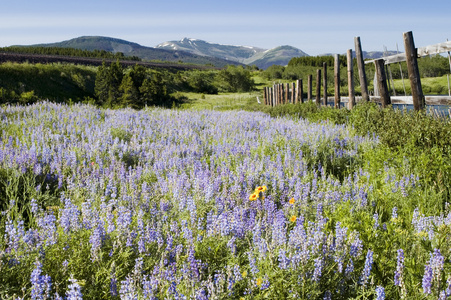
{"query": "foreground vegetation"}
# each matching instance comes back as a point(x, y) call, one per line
point(109, 204)
point(218, 198)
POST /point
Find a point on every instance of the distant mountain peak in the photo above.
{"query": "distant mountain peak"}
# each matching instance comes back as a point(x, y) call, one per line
point(250, 55)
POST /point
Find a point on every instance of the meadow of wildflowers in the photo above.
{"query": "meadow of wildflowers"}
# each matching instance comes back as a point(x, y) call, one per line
point(168, 204)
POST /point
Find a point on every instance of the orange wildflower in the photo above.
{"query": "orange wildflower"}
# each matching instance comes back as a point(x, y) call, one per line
point(292, 201)
point(293, 219)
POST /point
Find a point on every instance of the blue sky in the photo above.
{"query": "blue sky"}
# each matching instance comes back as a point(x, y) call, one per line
point(315, 27)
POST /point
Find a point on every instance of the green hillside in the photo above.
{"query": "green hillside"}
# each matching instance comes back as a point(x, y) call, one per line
point(30, 82)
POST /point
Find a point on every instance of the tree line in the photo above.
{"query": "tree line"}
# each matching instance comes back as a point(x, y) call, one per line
point(115, 85)
point(301, 67)
point(68, 52)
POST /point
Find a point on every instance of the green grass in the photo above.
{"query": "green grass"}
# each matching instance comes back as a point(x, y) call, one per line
point(430, 85)
point(222, 101)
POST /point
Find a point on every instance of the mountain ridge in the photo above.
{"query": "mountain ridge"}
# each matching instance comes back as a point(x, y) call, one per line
point(134, 49)
point(194, 51)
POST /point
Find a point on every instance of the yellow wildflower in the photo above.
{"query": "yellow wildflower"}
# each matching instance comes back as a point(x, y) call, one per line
point(293, 219)
point(259, 281)
point(258, 189)
point(292, 201)
point(253, 197)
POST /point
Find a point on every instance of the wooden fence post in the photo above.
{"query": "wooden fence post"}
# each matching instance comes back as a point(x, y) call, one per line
point(337, 80)
point(300, 91)
point(382, 82)
point(287, 93)
point(414, 73)
point(273, 95)
point(276, 96)
point(292, 93)
point(318, 87)
point(282, 93)
point(309, 87)
point(361, 68)
point(265, 93)
point(325, 83)
point(351, 101)
point(273, 103)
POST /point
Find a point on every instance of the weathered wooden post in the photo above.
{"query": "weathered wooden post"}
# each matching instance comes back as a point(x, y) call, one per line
point(414, 73)
point(287, 93)
point(293, 91)
point(265, 93)
point(325, 83)
point(361, 67)
point(309, 87)
point(300, 91)
point(318, 87)
point(351, 101)
point(382, 82)
point(337, 80)
point(282, 93)
point(276, 96)
point(273, 95)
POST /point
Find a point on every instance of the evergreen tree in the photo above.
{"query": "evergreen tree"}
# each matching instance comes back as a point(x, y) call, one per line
point(102, 84)
point(154, 91)
point(116, 74)
point(129, 93)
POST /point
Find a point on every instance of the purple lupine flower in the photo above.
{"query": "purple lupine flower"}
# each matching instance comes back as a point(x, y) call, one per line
point(356, 246)
point(265, 284)
point(437, 262)
point(252, 263)
point(318, 269)
point(448, 287)
point(237, 273)
point(34, 206)
point(113, 285)
point(150, 287)
point(201, 294)
point(96, 239)
point(231, 245)
point(376, 221)
point(367, 269)
point(339, 246)
point(284, 261)
point(349, 268)
point(13, 234)
point(48, 231)
point(380, 293)
point(69, 218)
point(37, 283)
point(399, 268)
point(128, 289)
point(427, 279)
point(394, 213)
point(74, 290)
